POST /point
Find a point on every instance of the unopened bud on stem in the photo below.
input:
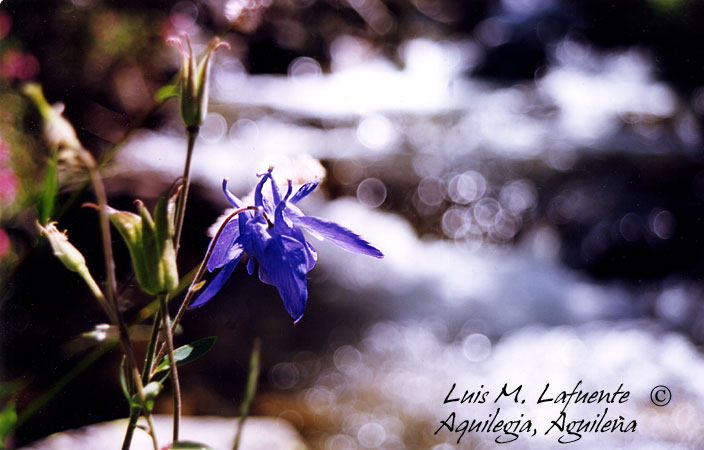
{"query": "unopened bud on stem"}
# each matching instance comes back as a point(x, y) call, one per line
point(150, 243)
point(194, 81)
point(70, 257)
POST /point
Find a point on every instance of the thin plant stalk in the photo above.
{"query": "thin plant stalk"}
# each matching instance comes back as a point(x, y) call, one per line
point(168, 337)
point(98, 294)
point(140, 391)
point(127, 349)
point(101, 198)
point(151, 347)
point(146, 375)
point(125, 342)
point(163, 312)
point(250, 391)
point(192, 133)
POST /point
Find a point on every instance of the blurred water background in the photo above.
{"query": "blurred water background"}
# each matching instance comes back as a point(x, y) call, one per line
point(532, 170)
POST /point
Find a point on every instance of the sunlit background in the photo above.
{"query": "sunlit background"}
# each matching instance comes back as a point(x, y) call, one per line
point(532, 170)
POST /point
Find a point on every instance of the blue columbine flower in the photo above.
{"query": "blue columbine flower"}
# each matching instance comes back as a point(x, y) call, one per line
point(272, 235)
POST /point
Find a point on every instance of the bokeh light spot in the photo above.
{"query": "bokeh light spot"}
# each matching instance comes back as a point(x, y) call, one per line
point(371, 192)
point(214, 127)
point(371, 435)
point(304, 67)
point(375, 132)
point(284, 375)
point(476, 347)
point(466, 187)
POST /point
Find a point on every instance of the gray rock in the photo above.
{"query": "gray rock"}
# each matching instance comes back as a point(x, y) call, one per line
point(265, 433)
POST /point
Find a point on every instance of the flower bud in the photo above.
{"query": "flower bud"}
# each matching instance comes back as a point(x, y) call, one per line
point(63, 249)
point(194, 82)
point(58, 131)
point(71, 257)
point(150, 243)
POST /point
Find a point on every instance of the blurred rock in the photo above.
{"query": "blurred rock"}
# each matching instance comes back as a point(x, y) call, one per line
point(260, 433)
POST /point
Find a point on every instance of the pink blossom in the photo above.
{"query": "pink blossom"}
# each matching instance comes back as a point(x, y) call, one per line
point(16, 64)
point(9, 185)
point(5, 245)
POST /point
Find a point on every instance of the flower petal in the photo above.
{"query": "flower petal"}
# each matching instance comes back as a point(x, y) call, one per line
point(303, 191)
point(264, 277)
point(254, 233)
point(275, 192)
point(234, 201)
point(268, 207)
point(250, 265)
point(285, 262)
point(242, 219)
point(281, 206)
point(293, 210)
point(297, 234)
point(338, 235)
point(215, 285)
point(284, 227)
point(226, 248)
point(259, 199)
point(312, 256)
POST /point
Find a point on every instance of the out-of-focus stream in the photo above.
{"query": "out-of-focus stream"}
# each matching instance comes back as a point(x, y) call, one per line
point(537, 232)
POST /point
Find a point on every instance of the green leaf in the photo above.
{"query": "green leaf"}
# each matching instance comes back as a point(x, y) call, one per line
point(166, 92)
point(150, 251)
point(151, 391)
point(187, 353)
point(50, 189)
point(189, 445)
point(8, 420)
point(123, 380)
point(164, 216)
point(132, 229)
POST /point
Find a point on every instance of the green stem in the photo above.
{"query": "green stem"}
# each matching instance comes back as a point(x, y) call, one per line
point(192, 133)
point(142, 398)
point(131, 426)
point(116, 319)
point(250, 391)
point(168, 337)
point(180, 215)
point(97, 293)
point(151, 347)
point(101, 198)
point(146, 375)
